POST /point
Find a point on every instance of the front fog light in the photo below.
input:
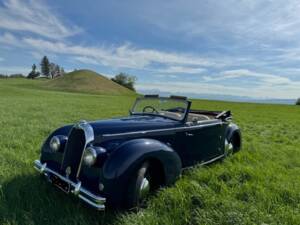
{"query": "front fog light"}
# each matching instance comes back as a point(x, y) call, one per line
point(55, 143)
point(89, 156)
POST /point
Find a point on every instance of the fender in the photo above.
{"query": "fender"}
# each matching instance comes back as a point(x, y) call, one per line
point(129, 155)
point(46, 148)
point(232, 130)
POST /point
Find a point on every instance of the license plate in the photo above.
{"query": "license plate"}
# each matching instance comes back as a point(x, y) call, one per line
point(64, 186)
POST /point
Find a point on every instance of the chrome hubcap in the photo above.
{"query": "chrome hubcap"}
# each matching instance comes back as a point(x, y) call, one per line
point(144, 188)
point(228, 148)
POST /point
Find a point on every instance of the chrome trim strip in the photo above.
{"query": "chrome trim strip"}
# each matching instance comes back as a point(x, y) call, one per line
point(204, 163)
point(212, 160)
point(166, 129)
point(91, 199)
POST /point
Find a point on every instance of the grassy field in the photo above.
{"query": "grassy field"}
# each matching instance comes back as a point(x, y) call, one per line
point(259, 185)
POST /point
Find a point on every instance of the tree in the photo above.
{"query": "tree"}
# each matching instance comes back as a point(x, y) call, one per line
point(57, 71)
point(33, 74)
point(45, 66)
point(125, 80)
point(298, 101)
point(52, 70)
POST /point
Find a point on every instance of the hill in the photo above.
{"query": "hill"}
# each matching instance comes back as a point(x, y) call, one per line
point(86, 81)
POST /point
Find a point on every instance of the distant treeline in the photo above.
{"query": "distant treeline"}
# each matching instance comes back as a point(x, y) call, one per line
point(15, 75)
point(48, 70)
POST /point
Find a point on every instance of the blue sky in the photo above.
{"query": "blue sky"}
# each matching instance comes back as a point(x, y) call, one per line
point(242, 47)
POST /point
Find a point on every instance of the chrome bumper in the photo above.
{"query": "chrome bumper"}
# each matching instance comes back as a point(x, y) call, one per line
point(93, 200)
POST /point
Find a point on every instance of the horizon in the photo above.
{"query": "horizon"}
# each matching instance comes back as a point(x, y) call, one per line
point(232, 48)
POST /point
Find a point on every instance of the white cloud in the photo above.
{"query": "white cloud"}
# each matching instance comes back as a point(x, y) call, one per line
point(283, 91)
point(86, 60)
point(265, 78)
point(182, 69)
point(35, 17)
point(9, 39)
point(254, 20)
point(122, 56)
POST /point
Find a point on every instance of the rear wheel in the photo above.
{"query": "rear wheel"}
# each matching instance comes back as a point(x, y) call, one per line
point(140, 186)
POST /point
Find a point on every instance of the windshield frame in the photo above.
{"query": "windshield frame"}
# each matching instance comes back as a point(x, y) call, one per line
point(173, 98)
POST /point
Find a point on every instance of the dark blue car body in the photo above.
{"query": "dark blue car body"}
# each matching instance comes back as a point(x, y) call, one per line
point(124, 144)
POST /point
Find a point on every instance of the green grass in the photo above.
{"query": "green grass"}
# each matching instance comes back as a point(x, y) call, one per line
point(259, 185)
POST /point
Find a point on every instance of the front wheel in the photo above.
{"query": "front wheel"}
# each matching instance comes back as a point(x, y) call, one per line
point(140, 186)
point(232, 145)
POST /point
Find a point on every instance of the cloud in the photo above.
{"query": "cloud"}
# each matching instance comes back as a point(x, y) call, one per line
point(9, 39)
point(286, 91)
point(182, 70)
point(263, 21)
point(169, 65)
point(86, 60)
point(264, 77)
point(122, 56)
point(35, 17)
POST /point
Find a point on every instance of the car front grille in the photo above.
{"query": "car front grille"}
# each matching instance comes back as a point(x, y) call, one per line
point(80, 135)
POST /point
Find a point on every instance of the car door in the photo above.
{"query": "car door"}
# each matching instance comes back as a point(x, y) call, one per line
point(202, 143)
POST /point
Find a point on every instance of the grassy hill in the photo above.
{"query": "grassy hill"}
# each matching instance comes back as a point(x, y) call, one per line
point(83, 81)
point(259, 185)
point(86, 81)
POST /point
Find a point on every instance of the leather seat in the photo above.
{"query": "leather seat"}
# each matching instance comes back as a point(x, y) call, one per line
point(194, 118)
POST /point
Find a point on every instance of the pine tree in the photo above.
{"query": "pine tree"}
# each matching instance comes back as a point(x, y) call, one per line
point(298, 101)
point(45, 66)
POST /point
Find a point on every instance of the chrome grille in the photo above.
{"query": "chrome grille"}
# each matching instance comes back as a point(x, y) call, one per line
point(80, 135)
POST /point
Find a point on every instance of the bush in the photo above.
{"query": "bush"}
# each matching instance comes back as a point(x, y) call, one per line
point(298, 101)
point(125, 80)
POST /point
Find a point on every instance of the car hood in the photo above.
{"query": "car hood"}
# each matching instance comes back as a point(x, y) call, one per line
point(131, 124)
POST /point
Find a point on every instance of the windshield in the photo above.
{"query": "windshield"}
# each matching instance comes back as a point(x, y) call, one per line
point(166, 107)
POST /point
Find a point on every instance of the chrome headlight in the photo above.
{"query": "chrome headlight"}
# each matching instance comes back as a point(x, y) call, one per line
point(57, 142)
point(89, 156)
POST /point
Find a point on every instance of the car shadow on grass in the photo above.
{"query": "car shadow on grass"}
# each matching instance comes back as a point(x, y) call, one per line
point(31, 200)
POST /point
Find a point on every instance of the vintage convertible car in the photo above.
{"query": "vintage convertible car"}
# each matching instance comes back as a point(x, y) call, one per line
point(118, 162)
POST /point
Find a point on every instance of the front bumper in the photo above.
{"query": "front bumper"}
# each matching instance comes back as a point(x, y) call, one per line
point(95, 201)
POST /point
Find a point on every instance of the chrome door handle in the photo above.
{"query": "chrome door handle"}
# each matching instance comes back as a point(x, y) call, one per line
point(189, 134)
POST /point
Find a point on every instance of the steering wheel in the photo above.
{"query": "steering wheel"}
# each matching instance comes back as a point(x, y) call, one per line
point(150, 107)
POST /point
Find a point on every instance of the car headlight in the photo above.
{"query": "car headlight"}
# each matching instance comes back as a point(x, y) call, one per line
point(57, 142)
point(89, 156)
